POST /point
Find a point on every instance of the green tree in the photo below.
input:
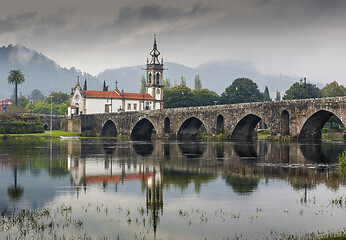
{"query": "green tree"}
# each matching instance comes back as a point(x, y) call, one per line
point(204, 97)
point(278, 96)
point(241, 90)
point(198, 83)
point(178, 96)
point(333, 89)
point(16, 77)
point(142, 90)
point(302, 91)
point(266, 96)
point(167, 83)
point(105, 87)
point(22, 101)
point(183, 81)
point(85, 86)
point(58, 97)
point(36, 95)
point(43, 107)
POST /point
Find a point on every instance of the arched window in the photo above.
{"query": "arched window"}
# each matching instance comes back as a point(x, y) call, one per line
point(149, 78)
point(158, 78)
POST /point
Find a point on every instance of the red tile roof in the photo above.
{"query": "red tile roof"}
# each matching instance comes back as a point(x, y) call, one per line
point(101, 94)
point(117, 94)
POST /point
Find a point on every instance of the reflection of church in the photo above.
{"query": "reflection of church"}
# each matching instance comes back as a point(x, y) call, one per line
point(90, 102)
point(84, 172)
point(154, 197)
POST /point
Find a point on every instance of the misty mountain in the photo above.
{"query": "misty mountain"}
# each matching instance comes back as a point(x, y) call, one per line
point(40, 72)
point(215, 76)
point(47, 76)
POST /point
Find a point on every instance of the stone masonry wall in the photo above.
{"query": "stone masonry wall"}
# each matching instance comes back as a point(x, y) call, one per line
point(270, 113)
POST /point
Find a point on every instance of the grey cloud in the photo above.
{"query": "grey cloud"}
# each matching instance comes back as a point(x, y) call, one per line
point(17, 22)
point(51, 23)
point(138, 16)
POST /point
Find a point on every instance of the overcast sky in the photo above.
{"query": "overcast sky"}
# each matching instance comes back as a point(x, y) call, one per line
point(299, 38)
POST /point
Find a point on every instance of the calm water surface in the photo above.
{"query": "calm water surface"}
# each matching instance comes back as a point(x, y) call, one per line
point(173, 190)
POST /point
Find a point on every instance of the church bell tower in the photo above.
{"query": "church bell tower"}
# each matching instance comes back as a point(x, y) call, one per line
point(154, 84)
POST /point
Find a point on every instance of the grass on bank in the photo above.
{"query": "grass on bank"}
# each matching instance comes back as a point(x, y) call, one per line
point(46, 134)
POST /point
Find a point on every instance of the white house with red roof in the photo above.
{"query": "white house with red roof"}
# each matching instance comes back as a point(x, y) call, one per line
point(91, 102)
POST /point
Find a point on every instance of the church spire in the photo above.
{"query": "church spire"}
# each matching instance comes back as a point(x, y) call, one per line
point(155, 53)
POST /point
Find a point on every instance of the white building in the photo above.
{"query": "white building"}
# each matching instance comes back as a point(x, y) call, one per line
point(90, 102)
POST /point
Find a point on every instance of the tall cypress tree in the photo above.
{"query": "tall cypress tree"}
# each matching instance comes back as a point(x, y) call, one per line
point(105, 87)
point(198, 83)
point(278, 96)
point(142, 90)
point(266, 96)
point(85, 86)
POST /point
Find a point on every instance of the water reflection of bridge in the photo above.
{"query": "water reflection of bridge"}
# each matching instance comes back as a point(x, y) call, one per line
point(299, 163)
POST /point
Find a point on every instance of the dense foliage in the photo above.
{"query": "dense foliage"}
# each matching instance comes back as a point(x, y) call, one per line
point(183, 96)
point(302, 91)
point(178, 96)
point(333, 89)
point(44, 107)
point(17, 123)
point(242, 90)
point(36, 95)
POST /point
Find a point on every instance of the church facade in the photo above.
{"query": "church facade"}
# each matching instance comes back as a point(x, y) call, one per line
point(92, 102)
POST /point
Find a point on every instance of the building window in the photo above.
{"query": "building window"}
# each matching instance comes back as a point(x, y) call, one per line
point(149, 78)
point(147, 106)
point(107, 108)
point(158, 78)
point(129, 106)
point(135, 106)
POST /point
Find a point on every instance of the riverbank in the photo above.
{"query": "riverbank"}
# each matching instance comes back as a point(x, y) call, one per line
point(46, 134)
point(264, 135)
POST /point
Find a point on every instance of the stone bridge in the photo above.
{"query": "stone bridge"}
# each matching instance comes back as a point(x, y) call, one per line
point(299, 118)
point(56, 121)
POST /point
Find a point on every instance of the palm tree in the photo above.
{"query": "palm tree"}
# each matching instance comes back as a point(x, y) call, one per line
point(16, 77)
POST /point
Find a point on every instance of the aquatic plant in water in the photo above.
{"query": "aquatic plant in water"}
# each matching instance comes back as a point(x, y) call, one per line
point(30, 224)
point(342, 163)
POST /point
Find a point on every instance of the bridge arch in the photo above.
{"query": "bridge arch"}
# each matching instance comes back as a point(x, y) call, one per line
point(167, 125)
point(45, 127)
point(109, 129)
point(189, 129)
point(285, 123)
point(244, 130)
point(220, 122)
point(142, 130)
point(312, 128)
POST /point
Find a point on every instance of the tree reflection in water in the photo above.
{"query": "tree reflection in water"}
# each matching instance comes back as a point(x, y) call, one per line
point(242, 184)
point(15, 192)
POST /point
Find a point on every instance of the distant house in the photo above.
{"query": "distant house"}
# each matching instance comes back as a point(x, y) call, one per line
point(4, 104)
point(91, 102)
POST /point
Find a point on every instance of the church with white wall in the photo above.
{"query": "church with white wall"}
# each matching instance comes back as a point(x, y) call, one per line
point(92, 102)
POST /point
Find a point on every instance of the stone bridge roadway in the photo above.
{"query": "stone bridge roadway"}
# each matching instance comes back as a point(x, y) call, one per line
point(301, 118)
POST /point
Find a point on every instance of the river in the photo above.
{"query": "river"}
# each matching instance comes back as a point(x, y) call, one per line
point(97, 188)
